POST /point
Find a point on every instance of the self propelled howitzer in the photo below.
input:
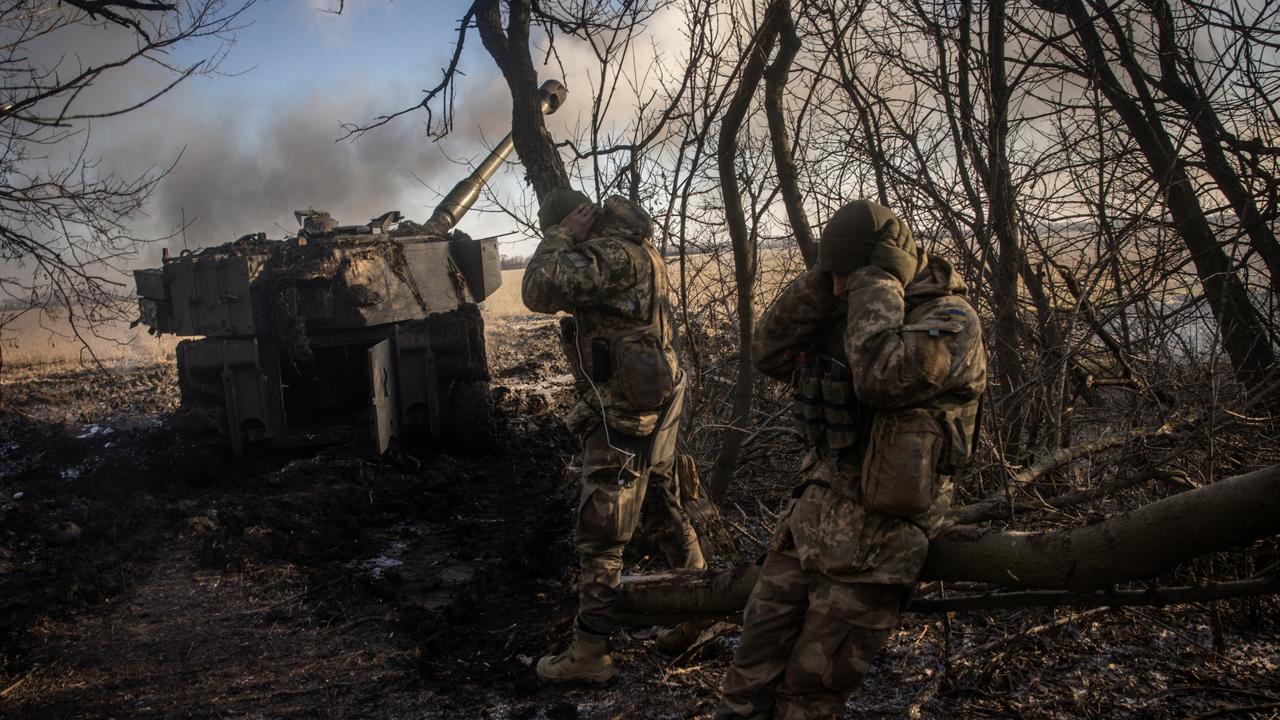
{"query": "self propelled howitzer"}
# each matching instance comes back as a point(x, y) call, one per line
point(341, 327)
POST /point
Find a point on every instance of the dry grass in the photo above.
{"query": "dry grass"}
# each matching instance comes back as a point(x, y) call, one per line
point(35, 339)
point(506, 301)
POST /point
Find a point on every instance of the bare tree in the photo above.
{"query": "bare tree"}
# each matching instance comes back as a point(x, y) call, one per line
point(991, 128)
point(1245, 334)
point(64, 224)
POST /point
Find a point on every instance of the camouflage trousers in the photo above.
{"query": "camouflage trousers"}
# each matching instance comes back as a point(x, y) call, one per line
point(621, 475)
point(807, 641)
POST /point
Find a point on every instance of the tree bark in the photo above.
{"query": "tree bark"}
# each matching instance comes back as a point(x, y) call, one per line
point(1131, 546)
point(744, 250)
point(1151, 597)
point(510, 50)
point(783, 158)
point(1003, 210)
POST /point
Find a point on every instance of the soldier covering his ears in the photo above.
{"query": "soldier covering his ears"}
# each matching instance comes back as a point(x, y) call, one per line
point(599, 265)
point(887, 365)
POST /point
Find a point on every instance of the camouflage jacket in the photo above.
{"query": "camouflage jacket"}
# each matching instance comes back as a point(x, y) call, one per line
point(916, 347)
point(615, 286)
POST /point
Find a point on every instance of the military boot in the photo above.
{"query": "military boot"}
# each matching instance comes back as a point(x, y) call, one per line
point(586, 660)
point(677, 639)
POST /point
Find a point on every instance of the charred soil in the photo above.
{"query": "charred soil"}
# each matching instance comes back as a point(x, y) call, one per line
point(145, 573)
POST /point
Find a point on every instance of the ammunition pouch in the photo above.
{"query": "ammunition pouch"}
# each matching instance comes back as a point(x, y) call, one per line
point(824, 404)
point(839, 409)
point(811, 421)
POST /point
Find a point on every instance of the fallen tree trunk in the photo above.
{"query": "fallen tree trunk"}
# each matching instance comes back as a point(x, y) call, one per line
point(1155, 596)
point(1131, 546)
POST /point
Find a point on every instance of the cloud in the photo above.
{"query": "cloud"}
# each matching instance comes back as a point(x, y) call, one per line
point(251, 156)
point(661, 42)
point(246, 167)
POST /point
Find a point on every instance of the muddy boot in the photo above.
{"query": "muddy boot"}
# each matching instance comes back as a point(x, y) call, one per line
point(675, 640)
point(587, 660)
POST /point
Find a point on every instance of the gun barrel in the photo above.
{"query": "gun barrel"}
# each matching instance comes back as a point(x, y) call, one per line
point(463, 195)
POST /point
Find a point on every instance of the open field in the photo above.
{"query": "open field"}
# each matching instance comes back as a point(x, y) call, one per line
point(40, 339)
point(34, 338)
point(506, 301)
point(707, 276)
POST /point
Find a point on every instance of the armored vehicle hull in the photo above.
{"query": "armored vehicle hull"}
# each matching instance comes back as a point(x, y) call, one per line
point(340, 330)
point(314, 339)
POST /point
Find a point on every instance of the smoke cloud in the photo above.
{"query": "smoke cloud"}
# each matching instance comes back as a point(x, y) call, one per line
point(244, 169)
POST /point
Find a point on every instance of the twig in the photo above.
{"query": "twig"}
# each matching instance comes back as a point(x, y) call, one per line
point(1233, 709)
point(1217, 689)
point(1154, 597)
point(742, 530)
point(5, 693)
point(931, 688)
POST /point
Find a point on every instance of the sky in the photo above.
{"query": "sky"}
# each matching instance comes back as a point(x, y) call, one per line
point(261, 139)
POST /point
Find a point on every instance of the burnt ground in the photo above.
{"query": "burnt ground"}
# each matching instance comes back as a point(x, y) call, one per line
point(145, 573)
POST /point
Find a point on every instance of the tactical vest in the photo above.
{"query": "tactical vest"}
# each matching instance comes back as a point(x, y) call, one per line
point(833, 421)
point(637, 361)
point(828, 414)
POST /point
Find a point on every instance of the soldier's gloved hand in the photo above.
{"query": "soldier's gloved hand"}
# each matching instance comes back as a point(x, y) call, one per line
point(579, 221)
point(816, 295)
point(895, 252)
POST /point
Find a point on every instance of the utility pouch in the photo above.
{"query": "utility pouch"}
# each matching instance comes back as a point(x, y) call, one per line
point(899, 472)
point(644, 373)
point(640, 367)
point(838, 403)
point(569, 345)
point(568, 330)
point(601, 363)
point(961, 433)
point(662, 444)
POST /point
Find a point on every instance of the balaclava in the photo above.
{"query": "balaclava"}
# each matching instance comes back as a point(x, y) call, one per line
point(557, 204)
point(854, 230)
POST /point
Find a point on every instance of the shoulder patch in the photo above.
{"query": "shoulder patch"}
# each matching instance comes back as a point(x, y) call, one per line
point(942, 319)
point(935, 329)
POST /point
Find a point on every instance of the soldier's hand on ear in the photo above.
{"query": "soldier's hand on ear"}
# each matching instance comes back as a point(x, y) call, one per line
point(816, 289)
point(579, 220)
point(895, 252)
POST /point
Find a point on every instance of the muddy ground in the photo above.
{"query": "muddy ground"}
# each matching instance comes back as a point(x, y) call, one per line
point(146, 574)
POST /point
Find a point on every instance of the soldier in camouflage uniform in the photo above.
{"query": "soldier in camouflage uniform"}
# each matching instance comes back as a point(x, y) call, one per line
point(600, 266)
point(886, 361)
